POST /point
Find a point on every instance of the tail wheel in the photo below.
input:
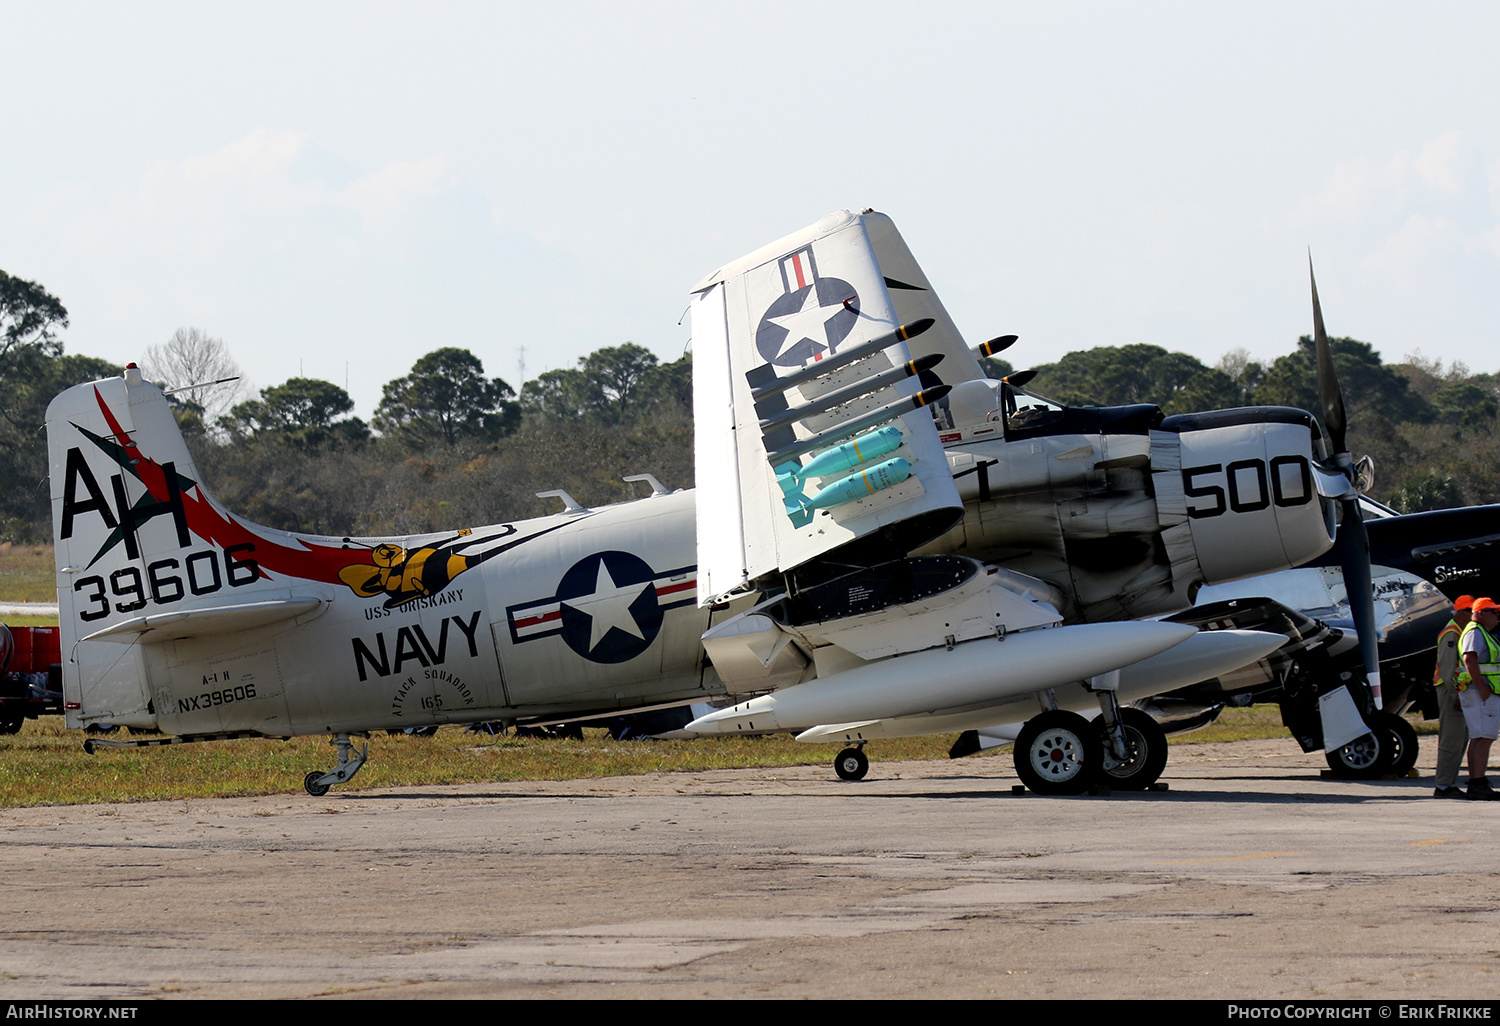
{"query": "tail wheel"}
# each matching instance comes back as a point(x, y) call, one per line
point(851, 764)
point(1147, 749)
point(1058, 753)
point(1360, 759)
point(1400, 742)
point(11, 724)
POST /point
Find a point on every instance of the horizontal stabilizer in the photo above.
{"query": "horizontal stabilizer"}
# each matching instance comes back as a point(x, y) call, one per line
point(194, 623)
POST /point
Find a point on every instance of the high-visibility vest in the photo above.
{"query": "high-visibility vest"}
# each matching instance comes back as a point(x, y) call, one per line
point(1457, 631)
point(1489, 669)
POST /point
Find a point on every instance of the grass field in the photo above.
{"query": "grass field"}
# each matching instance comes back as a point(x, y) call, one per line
point(46, 620)
point(27, 575)
point(45, 764)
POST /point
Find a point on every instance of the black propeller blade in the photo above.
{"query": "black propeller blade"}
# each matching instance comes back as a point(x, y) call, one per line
point(1329, 393)
point(1353, 543)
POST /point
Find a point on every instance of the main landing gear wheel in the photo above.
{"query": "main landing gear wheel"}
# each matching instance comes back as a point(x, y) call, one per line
point(851, 764)
point(1147, 744)
point(317, 784)
point(12, 724)
point(1058, 753)
point(1400, 742)
point(1361, 759)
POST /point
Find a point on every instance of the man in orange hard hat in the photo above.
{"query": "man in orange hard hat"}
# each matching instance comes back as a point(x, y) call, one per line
point(1479, 692)
point(1453, 735)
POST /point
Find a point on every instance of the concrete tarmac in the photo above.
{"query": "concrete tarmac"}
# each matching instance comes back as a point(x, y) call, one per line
point(1252, 877)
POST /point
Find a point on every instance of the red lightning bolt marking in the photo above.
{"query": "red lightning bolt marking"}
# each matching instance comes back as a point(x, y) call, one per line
point(310, 562)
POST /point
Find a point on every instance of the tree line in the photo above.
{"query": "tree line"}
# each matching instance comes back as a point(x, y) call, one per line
point(449, 446)
point(1429, 428)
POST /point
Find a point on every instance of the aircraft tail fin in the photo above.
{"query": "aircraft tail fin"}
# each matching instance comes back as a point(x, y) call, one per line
point(144, 554)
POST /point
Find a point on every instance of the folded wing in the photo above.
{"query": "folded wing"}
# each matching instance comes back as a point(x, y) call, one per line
point(800, 360)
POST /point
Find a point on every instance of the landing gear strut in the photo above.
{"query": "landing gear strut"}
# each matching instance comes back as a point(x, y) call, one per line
point(1146, 752)
point(317, 784)
point(851, 764)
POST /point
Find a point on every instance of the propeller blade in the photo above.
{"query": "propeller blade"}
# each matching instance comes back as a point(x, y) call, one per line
point(1353, 546)
point(1020, 378)
point(1353, 542)
point(1329, 394)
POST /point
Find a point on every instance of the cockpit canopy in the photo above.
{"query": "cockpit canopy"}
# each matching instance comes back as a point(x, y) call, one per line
point(984, 402)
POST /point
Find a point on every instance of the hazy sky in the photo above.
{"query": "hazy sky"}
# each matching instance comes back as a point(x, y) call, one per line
point(332, 185)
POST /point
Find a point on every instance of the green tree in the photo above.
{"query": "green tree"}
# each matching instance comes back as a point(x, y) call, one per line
point(1209, 389)
point(1470, 402)
point(668, 387)
point(565, 394)
point(1369, 386)
point(34, 379)
point(302, 412)
point(993, 367)
point(446, 398)
point(1246, 375)
point(615, 376)
point(1117, 375)
point(612, 387)
point(29, 317)
point(1424, 491)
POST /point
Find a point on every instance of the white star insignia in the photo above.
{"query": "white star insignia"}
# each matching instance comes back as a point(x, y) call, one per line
point(609, 606)
point(802, 324)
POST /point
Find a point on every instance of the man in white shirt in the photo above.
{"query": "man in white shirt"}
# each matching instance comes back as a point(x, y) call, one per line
point(1479, 693)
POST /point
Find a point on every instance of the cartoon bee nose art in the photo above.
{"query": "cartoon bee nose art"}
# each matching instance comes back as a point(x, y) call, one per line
point(401, 575)
point(367, 580)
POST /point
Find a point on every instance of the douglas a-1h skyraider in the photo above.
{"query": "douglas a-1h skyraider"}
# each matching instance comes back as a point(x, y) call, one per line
point(873, 557)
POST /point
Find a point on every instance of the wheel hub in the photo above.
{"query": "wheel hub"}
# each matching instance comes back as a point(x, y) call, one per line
point(1361, 753)
point(1135, 754)
point(1058, 755)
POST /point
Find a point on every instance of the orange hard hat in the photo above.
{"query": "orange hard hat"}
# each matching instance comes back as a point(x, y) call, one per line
point(1463, 602)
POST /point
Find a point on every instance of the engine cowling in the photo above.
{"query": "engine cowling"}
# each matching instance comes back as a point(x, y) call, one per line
point(1240, 484)
point(1129, 513)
